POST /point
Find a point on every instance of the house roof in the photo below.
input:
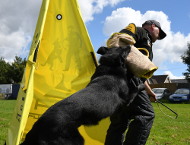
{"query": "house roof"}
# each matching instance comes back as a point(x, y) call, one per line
point(158, 79)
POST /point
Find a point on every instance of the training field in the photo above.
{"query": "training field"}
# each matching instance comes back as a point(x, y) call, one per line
point(165, 131)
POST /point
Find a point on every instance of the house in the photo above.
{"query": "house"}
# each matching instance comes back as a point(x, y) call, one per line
point(159, 79)
point(163, 81)
point(179, 81)
point(9, 91)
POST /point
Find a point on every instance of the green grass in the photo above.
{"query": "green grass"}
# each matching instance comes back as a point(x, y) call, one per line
point(6, 111)
point(165, 131)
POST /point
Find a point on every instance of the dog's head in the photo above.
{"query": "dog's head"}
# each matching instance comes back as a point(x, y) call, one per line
point(113, 56)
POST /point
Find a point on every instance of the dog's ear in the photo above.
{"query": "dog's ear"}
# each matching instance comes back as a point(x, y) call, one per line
point(111, 56)
point(102, 50)
point(126, 51)
point(115, 56)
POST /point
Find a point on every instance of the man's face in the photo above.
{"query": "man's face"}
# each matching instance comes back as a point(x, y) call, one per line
point(155, 33)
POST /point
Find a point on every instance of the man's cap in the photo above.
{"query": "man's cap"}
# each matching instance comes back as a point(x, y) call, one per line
point(162, 34)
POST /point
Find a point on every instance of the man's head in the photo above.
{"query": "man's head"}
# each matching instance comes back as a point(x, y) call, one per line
point(154, 29)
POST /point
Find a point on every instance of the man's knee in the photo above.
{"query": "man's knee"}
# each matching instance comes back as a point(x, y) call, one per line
point(143, 121)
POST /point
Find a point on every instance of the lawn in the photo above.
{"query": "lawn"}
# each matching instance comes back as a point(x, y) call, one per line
point(6, 110)
point(165, 131)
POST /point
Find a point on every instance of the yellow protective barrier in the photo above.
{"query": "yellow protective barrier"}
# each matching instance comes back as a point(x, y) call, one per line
point(60, 63)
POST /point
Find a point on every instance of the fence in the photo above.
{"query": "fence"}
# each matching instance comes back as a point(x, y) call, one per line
point(171, 86)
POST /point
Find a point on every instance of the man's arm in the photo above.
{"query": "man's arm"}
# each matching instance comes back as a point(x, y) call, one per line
point(150, 92)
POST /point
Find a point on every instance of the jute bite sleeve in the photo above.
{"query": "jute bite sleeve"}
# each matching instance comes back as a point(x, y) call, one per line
point(138, 63)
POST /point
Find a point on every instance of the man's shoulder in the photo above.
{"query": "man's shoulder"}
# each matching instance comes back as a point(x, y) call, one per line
point(142, 33)
point(141, 30)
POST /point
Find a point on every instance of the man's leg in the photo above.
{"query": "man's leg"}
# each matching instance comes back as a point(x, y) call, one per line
point(119, 123)
point(140, 126)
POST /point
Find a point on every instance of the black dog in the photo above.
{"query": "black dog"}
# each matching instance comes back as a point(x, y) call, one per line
point(106, 92)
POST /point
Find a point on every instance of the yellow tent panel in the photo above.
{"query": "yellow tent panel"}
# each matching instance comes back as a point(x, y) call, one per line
point(61, 62)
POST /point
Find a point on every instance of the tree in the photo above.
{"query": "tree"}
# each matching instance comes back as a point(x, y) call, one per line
point(16, 70)
point(186, 60)
point(12, 72)
point(3, 71)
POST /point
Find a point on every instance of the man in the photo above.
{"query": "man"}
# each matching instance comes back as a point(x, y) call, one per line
point(139, 115)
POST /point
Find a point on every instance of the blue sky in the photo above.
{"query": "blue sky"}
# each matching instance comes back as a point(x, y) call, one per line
point(178, 15)
point(102, 18)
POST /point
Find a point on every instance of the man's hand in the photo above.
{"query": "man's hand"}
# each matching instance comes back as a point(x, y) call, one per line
point(150, 92)
point(152, 98)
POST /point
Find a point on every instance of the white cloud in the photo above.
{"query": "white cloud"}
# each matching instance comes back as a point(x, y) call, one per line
point(169, 49)
point(121, 17)
point(18, 20)
point(91, 7)
point(13, 44)
point(172, 48)
point(171, 76)
point(17, 24)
